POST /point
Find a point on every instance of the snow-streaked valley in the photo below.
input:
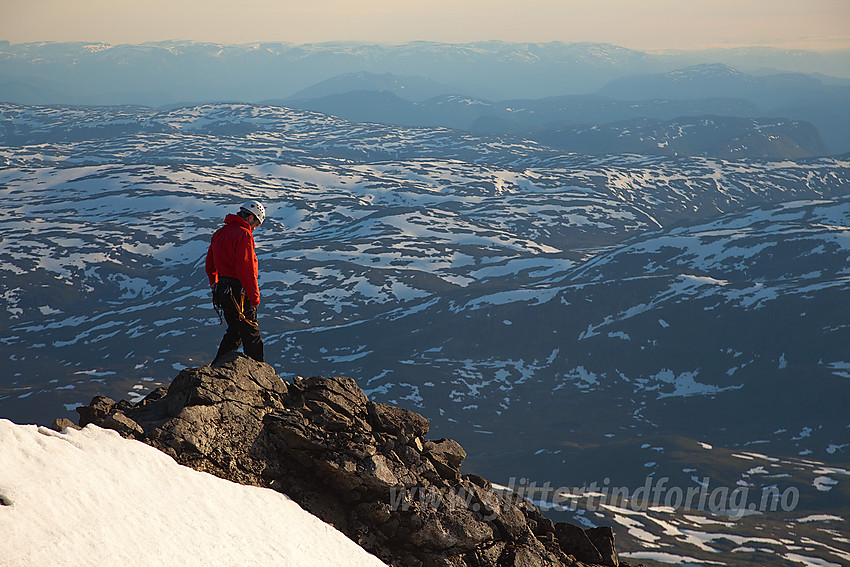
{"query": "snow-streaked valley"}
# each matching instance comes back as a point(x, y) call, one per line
point(553, 312)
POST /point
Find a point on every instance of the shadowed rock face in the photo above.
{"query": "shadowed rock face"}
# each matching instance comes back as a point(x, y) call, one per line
point(364, 467)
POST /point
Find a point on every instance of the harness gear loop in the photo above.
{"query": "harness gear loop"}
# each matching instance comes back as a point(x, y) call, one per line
point(216, 304)
point(217, 311)
point(238, 304)
point(239, 308)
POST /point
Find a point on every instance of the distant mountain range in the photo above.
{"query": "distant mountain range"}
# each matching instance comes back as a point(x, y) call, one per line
point(409, 88)
point(160, 73)
point(792, 95)
point(541, 91)
point(718, 80)
point(518, 115)
point(710, 110)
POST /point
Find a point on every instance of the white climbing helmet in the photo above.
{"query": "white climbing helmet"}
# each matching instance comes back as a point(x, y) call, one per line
point(257, 209)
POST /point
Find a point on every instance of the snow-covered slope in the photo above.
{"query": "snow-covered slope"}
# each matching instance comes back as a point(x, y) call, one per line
point(90, 497)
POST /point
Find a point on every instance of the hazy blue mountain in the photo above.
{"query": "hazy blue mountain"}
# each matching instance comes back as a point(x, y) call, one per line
point(716, 136)
point(831, 116)
point(706, 90)
point(718, 80)
point(174, 73)
point(409, 88)
point(826, 79)
point(169, 72)
point(517, 115)
point(594, 109)
point(593, 124)
point(791, 95)
point(383, 107)
point(769, 60)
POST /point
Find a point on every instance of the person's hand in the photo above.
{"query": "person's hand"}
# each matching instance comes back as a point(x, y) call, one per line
point(250, 312)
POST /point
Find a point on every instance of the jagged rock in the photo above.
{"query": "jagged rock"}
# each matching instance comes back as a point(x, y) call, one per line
point(446, 455)
point(123, 425)
point(363, 467)
point(62, 424)
point(602, 539)
point(575, 541)
point(96, 411)
point(336, 404)
point(402, 423)
point(447, 451)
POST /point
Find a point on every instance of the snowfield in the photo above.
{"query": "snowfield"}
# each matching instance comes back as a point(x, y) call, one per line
point(91, 497)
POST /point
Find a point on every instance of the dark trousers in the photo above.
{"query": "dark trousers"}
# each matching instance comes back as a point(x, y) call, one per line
point(241, 330)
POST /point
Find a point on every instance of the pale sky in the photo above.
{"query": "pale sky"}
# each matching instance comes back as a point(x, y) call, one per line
point(637, 24)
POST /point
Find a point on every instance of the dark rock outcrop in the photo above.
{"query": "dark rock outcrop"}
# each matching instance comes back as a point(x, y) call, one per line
point(364, 467)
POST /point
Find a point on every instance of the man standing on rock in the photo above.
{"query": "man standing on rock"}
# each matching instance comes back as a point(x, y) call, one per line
point(232, 270)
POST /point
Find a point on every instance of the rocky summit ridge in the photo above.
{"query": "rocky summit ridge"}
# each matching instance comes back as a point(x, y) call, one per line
point(367, 468)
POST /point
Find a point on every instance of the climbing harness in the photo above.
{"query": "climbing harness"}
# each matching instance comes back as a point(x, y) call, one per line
point(238, 304)
point(216, 307)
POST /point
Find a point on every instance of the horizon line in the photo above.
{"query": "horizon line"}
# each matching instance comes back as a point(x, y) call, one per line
point(658, 50)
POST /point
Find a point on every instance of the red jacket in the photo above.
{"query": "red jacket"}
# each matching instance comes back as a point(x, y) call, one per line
point(231, 254)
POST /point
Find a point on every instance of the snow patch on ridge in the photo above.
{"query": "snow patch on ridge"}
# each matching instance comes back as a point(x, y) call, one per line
point(79, 491)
